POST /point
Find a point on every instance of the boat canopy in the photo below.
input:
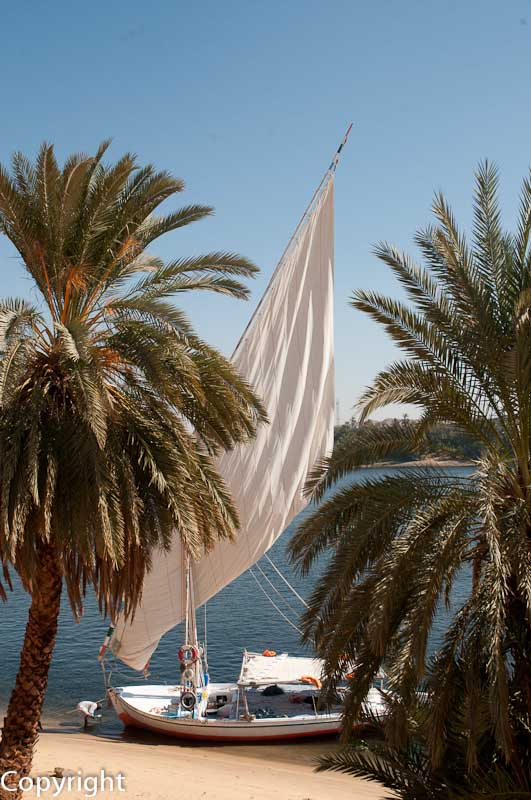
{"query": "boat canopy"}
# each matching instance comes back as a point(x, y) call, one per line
point(260, 670)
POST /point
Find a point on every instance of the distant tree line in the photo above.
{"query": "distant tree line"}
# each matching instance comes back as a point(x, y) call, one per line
point(445, 440)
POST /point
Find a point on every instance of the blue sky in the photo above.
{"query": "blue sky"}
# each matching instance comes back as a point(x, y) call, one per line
point(247, 102)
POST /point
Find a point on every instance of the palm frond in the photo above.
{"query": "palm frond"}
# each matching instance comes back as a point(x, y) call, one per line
point(391, 548)
point(111, 406)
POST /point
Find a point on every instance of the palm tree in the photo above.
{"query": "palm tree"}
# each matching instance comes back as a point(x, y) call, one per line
point(397, 542)
point(406, 769)
point(111, 407)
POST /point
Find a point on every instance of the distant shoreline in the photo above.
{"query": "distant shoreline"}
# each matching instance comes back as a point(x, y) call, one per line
point(422, 462)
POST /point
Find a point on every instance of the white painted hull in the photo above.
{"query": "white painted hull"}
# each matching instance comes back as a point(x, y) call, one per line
point(128, 706)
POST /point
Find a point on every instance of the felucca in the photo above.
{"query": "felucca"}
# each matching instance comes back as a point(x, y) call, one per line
point(287, 354)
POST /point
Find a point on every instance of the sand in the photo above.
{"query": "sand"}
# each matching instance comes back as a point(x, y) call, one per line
point(160, 769)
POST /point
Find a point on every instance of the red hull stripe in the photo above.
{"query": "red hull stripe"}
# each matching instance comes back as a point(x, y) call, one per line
point(129, 721)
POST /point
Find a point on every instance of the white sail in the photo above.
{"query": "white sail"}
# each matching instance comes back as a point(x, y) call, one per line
point(286, 353)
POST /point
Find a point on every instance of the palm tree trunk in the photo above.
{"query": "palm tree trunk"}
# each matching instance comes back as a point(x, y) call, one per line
point(21, 723)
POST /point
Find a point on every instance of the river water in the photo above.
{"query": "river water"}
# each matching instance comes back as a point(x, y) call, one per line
point(239, 617)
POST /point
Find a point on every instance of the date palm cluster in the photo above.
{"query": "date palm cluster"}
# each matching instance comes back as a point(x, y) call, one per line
point(396, 543)
point(111, 406)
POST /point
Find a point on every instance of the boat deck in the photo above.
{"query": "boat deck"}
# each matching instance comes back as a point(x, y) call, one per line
point(292, 702)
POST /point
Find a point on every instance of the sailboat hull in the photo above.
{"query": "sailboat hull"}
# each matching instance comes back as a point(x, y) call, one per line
point(134, 709)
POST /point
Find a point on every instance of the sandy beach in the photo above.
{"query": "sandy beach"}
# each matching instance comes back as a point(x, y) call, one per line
point(158, 769)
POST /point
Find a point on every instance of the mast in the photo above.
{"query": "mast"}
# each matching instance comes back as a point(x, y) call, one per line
point(190, 653)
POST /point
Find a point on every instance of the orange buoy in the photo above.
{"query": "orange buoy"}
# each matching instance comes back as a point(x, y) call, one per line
point(310, 679)
point(269, 653)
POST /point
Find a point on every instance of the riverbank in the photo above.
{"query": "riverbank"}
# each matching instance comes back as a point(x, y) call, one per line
point(422, 462)
point(159, 769)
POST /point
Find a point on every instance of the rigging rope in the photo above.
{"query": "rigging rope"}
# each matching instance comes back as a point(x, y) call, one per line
point(114, 669)
point(287, 619)
point(259, 568)
point(205, 638)
point(288, 584)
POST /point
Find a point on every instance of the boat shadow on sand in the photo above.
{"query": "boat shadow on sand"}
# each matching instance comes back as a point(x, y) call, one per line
point(304, 751)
